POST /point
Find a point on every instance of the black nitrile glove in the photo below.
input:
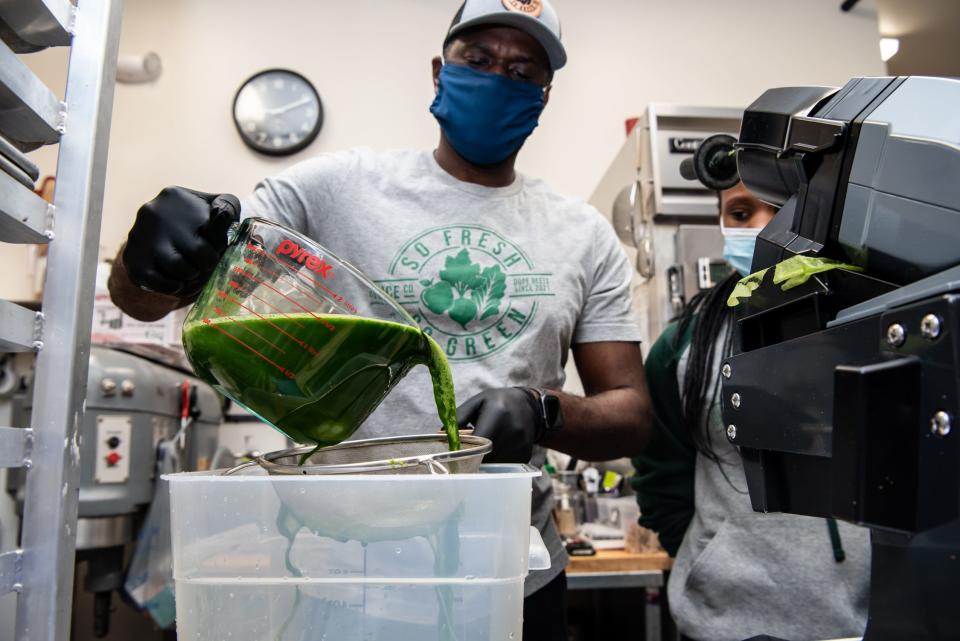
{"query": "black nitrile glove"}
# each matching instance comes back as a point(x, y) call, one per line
point(177, 240)
point(511, 417)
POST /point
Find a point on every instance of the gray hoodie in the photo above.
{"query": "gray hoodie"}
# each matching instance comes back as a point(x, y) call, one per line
point(739, 573)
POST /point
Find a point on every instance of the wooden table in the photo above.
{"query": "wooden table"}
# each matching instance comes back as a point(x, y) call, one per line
point(614, 569)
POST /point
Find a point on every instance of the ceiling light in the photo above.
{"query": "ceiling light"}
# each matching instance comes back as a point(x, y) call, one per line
point(889, 48)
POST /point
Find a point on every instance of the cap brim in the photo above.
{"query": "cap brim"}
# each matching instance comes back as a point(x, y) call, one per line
point(551, 44)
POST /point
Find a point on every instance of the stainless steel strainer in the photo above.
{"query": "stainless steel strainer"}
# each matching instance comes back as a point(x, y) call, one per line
point(417, 454)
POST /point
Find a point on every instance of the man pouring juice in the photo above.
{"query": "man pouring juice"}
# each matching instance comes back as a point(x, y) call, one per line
point(504, 274)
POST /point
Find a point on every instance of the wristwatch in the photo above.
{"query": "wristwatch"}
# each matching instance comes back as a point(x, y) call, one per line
point(551, 413)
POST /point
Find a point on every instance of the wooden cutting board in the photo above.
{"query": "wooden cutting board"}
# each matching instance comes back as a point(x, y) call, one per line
point(620, 561)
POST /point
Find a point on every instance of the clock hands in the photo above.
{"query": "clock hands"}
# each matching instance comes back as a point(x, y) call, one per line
point(276, 111)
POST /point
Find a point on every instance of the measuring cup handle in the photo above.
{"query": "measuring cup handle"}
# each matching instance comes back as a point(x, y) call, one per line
point(232, 233)
point(224, 213)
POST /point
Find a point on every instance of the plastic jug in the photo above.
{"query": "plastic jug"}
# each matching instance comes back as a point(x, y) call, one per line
point(298, 336)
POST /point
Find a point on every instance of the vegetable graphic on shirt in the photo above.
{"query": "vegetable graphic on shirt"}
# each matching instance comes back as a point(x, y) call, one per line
point(465, 291)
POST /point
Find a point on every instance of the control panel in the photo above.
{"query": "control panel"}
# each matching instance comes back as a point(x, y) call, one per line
point(113, 449)
point(711, 271)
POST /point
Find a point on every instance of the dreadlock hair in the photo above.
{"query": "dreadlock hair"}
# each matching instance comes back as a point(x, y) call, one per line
point(709, 315)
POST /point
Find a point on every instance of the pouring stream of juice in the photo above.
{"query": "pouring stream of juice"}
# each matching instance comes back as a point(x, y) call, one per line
point(316, 377)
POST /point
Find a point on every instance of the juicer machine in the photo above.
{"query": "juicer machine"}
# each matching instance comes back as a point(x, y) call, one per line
point(842, 392)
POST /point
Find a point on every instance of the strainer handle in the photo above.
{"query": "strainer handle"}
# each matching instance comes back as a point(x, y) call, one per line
point(233, 470)
point(435, 467)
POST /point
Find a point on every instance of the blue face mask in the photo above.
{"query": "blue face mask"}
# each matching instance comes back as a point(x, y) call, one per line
point(738, 246)
point(485, 116)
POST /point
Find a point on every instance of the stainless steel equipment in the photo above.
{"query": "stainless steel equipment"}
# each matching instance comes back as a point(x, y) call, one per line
point(669, 224)
point(669, 134)
point(31, 115)
point(131, 405)
point(634, 227)
point(699, 264)
point(843, 392)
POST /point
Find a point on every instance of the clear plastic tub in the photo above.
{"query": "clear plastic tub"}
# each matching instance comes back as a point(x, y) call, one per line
point(343, 558)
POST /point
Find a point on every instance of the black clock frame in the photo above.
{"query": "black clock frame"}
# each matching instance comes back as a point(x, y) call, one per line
point(288, 151)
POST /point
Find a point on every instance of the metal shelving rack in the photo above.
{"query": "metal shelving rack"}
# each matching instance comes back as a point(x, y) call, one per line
point(41, 571)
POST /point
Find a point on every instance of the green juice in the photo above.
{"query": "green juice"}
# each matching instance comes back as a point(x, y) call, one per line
point(316, 377)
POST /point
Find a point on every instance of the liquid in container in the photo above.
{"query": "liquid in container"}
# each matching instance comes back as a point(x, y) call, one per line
point(353, 557)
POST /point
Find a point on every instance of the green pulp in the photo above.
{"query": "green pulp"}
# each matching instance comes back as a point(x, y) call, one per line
point(316, 377)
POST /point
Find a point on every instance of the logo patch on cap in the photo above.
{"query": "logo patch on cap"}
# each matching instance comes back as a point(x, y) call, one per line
point(530, 7)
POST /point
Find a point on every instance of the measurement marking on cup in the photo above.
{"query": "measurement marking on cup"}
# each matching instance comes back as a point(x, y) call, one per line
point(293, 281)
point(309, 348)
point(244, 292)
point(277, 276)
point(310, 297)
point(220, 312)
point(282, 369)
point(340, 299)
point(323, 321)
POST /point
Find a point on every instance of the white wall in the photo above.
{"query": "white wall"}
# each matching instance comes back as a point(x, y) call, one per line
point(370, 62)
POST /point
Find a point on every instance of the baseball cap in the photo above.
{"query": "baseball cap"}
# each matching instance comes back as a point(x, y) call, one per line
point(534, 17)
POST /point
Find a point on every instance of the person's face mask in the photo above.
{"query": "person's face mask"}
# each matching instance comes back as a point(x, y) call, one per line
point(485, 116)
point(738, 246)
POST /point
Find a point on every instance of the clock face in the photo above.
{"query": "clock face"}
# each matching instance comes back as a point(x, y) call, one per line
point(278, 112)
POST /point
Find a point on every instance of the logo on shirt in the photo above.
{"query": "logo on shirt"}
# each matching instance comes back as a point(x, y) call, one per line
point(474, 291)
point(529, 7)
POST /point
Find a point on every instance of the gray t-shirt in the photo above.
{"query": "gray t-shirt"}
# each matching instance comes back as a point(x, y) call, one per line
point(401, 219)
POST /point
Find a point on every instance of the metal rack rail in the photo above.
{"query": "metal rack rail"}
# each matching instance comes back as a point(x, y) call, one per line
point(41, 571)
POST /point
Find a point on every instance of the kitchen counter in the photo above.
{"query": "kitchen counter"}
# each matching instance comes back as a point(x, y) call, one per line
point(619, 561)
point(614, 569)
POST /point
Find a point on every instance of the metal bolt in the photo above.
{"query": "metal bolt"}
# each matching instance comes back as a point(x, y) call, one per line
point(727, 371)
point(731, 432)
point(108, 385)
point(127, 386)
point(896, 335)
point(930, 326)
point(38, 345)
point(735, 401)
point(940, 424)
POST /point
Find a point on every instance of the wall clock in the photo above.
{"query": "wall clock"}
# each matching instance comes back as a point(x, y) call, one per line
point(278, 112)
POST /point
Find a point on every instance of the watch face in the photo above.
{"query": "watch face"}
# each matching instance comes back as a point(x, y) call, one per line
point(551, 409)
point(278, 112)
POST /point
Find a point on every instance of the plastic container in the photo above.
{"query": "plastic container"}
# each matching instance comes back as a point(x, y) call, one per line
point(353, 558)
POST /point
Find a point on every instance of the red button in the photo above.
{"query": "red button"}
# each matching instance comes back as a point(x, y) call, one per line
point(112, 459)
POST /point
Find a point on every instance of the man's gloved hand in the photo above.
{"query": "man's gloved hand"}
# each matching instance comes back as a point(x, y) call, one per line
point(511, 417)
point(178, 239)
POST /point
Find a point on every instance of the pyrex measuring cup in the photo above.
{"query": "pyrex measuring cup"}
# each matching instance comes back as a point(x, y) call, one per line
point(298, 336)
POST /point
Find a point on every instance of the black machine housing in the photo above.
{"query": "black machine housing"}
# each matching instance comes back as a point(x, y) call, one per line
point(842, 393)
